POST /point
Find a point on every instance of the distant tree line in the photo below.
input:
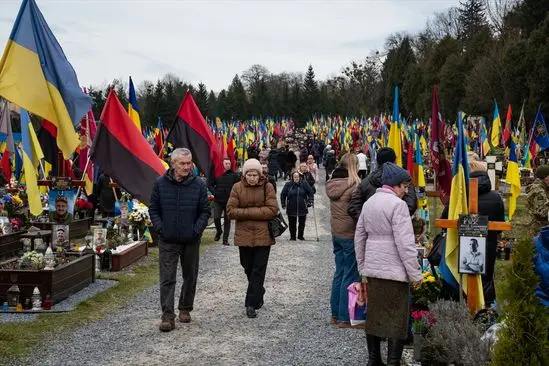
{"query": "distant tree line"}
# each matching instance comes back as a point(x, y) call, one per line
point(479, 52)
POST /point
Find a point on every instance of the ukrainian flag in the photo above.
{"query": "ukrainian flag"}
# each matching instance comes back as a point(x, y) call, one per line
point(395, 139)
point(28, 155)
point(513, 178)
point(458, 206)
point(36, 75)
point(496, 127)
point(133, 111)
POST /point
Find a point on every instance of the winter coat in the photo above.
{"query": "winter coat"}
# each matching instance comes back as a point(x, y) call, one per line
point(541, 265)
point(490, 204)
point(252, 207)
point(367, 189)
point(273, 164)
point(291, 159)
point(222, 186)
point(339, 192)
point(330, 160)
point(179, 211)
point(537, 204)
point(313, 169)
point(106, 194)
point(308, 177)
point(296, 197)
point(303, 154)
point(384, 240)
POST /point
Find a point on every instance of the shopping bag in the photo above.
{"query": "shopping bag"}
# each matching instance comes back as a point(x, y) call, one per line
point(357, 292)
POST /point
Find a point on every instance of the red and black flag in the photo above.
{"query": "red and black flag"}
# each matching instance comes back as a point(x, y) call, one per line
point(47, 138)
point(123, 153)
point(190, 130)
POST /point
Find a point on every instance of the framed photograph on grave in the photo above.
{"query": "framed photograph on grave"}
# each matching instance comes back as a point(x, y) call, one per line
point(60, 237)
point(99, 237)
point(122, 210)
point(5, 226)
point(61, 203)
point(472, 255)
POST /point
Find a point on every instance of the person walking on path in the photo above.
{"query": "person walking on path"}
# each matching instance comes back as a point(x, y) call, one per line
point(289, 164)
point(296, 197)
point(330, 161)
point(339, 189)
point(271, 179)
point(372, 182)
point(252, 204)
point(362, 164)
point(386, 254)
point(222, 188)
point(313, 167)
point(179, 212)
point(307, 176)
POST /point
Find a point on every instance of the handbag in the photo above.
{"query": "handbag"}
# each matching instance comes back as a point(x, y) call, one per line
point(277, 225)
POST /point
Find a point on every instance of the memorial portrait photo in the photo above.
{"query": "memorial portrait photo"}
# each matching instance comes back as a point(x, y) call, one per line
point(472, 255)
point(99, 237)
point(60, 236)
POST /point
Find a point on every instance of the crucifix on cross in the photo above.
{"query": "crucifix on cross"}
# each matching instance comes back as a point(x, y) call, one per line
point(472, 280)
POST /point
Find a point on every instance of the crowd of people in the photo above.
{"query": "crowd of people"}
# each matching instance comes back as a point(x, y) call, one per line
point(376, 227)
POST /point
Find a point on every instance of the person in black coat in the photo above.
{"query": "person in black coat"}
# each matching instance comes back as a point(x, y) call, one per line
point(296, 197)
point(272, 162)
point(330, 162)
point(490, 204)
point(372, 182)
point(266, 173)
point(291, 159)
point(107, 195)
point(221, 189)
point(307, 176)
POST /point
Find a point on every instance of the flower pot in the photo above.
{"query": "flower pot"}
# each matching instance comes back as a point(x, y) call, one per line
point(418, 343)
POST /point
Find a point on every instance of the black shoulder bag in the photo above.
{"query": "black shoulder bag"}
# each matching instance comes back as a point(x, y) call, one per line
point(277, 225)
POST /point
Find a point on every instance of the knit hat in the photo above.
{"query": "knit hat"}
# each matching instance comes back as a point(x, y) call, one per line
point(252, 164)
point(542, 172)
point(385, 155)
point(393, 175)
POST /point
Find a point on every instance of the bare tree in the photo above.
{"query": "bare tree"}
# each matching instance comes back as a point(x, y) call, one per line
point(444, 24)
point(496, 10)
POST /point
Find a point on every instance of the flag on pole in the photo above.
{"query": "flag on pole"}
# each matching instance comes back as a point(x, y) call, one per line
point(539, 131)
point(5, 128)
point(496, 127)
point(507, 130)
point(29, 151)
point(133, 111)
point(441, 165)
point(458, 206)
point(36, 75)
point(88, 129)
point(513, 178)
point(395, 139)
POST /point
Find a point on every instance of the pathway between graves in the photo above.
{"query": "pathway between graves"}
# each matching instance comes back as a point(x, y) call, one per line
point(291, 329)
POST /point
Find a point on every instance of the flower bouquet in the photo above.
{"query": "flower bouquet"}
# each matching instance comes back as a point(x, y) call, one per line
point(83, 207)
point(32, 260)
point(139, 217)
point(427, 292)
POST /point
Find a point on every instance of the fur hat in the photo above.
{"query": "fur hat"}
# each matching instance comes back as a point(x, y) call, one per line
point(252, 164)
point(542, 172)
point(393, 175)
point(385, 155)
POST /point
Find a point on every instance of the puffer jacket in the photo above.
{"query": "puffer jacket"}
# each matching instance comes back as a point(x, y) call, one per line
point(179, 211)
point(541, 265)
point(384, 240)
point(223, 185)
point(367, 189)
point(295, 198)
point(339, 192)
point(252, 207)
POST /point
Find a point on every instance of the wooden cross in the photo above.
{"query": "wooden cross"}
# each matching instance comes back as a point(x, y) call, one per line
point(492, 226)
point(61, 173)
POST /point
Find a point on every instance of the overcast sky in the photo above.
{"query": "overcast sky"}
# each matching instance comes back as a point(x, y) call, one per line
point(211, 41)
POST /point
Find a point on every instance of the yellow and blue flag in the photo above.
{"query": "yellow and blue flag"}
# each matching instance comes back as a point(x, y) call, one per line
point(36, 75)
point(28, 155)
point(147, 235)
point(539, 131)
point(133, 111)
point(458, 206)
point(513, 178)
point(395, 139)
point(496, 127)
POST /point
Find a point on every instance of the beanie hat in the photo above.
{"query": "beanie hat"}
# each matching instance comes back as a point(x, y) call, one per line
point(385, 155)
point(542, 172)
point(393, 175)
point(252, 164)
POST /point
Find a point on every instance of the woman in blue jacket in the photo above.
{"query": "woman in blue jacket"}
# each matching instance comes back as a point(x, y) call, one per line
point(297, 195)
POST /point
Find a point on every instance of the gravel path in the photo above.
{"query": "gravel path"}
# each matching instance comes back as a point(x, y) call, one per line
point(291, 329)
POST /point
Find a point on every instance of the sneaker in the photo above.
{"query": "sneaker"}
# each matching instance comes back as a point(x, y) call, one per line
point(217, 236)
point(184, 317)
point(167, 324)
point(250, 312)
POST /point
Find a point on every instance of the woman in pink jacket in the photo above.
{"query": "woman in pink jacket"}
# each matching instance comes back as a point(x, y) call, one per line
point(386, 254)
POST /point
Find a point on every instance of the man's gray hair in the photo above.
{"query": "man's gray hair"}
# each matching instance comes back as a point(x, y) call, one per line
point(182, 151)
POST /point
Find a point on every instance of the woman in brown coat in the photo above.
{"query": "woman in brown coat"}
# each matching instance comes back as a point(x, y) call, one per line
point(252, 204)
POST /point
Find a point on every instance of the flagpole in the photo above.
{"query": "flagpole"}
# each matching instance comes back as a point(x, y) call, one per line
point(83, 175)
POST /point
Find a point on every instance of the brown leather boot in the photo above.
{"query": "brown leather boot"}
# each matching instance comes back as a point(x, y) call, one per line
point(184, 317)
point(167, 324)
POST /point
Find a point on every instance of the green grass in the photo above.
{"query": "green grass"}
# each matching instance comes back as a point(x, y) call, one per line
point(16, 339)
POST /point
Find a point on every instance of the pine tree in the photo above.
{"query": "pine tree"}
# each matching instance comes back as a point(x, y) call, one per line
point(237, 101)
point(310, 95)
point(201, 98)
point(523, 339)
point(472, 18)
point(223, 105)
point(212, 106)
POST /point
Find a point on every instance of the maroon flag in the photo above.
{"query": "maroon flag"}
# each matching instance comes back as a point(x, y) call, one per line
point(441, 166)
point(191, 131)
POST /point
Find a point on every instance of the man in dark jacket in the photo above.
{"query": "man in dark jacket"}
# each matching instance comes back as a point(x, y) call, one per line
point(179, 212)
point(291, 159)
point(221, 190)
point(372, 182)
point(330, 161)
